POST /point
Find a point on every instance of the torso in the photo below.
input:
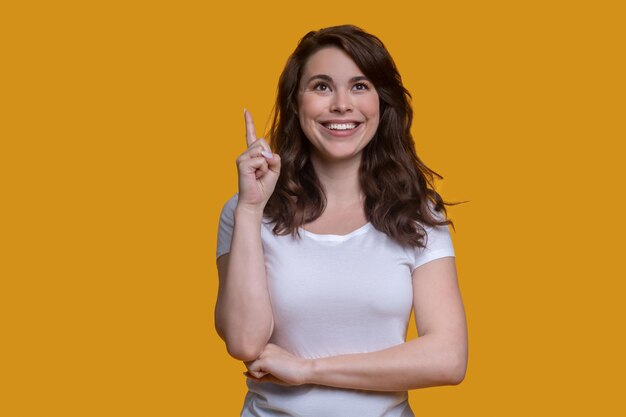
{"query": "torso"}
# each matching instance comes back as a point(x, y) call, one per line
point(347, 289)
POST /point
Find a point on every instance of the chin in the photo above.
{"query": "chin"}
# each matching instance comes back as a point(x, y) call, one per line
point(338, 156)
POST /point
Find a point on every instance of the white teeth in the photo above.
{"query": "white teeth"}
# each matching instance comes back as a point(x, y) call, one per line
point(340, 126)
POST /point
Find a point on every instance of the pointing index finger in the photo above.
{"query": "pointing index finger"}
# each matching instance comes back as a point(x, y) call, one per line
point(250, 132)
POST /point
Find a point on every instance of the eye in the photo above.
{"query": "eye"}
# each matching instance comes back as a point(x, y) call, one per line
point(320, 86)
point(361, 86)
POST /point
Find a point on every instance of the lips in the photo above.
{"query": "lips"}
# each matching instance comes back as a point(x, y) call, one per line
point(340, 125)
point(341, 128)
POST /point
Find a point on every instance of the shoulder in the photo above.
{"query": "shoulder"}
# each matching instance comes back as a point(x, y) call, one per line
point(437, 241)
point(438, 215)
point(226, 225)
point(231, 203)
point(228, 210)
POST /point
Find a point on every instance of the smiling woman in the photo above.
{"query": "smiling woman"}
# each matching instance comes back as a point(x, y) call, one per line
point(335, 235)
point(338, 106)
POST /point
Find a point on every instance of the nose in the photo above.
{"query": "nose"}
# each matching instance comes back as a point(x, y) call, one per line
point(341, 102)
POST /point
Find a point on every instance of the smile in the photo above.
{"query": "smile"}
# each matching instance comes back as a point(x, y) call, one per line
point(341, 130)
point(340, 126)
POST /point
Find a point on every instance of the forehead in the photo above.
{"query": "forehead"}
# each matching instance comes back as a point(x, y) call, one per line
point(330, 61)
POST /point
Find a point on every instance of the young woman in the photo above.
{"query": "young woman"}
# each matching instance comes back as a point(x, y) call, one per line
point(336, 233)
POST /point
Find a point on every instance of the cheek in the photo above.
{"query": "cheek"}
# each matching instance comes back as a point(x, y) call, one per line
point(311, 106)
point(304, 108)
point(371, 107)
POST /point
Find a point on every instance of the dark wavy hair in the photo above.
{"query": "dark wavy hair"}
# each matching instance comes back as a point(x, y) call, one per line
point(398, 187)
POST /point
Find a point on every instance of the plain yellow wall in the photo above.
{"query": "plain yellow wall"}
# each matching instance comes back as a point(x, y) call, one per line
point(120, 124)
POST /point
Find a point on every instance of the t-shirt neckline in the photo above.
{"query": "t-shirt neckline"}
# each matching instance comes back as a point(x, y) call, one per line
point(337, 238)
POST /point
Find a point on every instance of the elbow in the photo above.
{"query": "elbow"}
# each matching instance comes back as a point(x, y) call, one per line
point(242, 345)
point(243, 351)
point(456, 376)
point(238, 345)
point(448, 367)
point(455, 368)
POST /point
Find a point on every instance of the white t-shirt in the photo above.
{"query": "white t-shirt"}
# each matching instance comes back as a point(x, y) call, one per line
point(333, 295)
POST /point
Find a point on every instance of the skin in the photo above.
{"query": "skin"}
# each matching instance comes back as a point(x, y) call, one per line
point(333, 88)
point(342, 93)
point(243, 313)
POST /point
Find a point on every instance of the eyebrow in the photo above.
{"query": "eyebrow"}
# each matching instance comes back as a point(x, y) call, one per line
point(329, 78)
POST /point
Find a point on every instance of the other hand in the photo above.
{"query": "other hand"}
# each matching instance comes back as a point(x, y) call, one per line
point(277, 365)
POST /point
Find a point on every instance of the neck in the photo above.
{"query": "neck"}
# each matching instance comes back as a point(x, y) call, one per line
point(340, 180)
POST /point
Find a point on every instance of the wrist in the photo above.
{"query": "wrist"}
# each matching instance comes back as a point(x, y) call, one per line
point(311, 371)
point(248, 212)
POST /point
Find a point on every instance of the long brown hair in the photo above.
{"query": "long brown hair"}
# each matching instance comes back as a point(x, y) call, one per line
point(398, 186)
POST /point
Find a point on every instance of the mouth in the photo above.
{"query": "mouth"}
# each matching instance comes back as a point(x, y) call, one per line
point(341, 127)
point(341, 130)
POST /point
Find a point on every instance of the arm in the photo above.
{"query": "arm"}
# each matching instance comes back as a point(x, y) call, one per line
point(437, 357)
point(243, 313)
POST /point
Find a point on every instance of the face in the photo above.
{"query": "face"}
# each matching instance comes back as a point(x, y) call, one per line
point(338, 106)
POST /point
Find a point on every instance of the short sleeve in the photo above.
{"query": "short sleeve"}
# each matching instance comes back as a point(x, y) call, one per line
point(438, 245)
point(225, 227)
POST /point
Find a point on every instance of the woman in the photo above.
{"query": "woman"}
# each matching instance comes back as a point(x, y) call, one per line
point(335, 234)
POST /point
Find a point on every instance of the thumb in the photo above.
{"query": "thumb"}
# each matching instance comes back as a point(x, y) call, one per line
point(273, 163)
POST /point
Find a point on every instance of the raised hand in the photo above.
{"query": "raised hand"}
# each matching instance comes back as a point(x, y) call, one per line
point(258, 170)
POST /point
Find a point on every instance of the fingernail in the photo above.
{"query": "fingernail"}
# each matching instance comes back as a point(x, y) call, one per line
point(244, 110)
point(267, 154)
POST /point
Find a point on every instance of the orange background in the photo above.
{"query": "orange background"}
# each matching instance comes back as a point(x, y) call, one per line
point(120, 125)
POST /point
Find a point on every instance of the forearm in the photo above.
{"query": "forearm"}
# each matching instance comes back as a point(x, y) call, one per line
point(427, 361)
point(243, 311)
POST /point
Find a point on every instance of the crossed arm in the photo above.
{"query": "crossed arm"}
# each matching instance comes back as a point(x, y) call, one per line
point(437, 357)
